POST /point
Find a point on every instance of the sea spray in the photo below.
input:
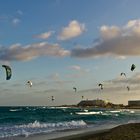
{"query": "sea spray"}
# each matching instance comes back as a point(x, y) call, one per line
point(37, 127)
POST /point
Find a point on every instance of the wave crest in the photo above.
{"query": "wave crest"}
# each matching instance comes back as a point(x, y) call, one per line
point(36, 127)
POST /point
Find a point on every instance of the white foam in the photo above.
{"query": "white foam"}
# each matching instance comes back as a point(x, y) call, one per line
point(132, 111)
point(44, 107)
point(14, 110)
point(37, 127)
point(85, 110)
point(115, 111)
point(37, 124)
point(89, 113)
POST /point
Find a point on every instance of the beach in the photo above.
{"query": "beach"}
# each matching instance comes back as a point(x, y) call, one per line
point(122, 132)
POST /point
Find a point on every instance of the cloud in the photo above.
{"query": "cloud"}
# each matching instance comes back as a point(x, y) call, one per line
point(19, 12)
point(16, 18)
point(109, 32)
point(15, 21)
point(17, 52)
point(74, 29)
point(79, 71)
point(45, 35)
point(56, 79)
point(75, 67)
point(115, 41)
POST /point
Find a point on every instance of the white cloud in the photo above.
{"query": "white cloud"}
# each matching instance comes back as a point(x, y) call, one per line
point(109, 32)
point(17, 52)
point(75, 67)
point(16, 18)
point(45, 35)
point(13, 19)
point(115, 41)
point(74, 29)
point(78, 71)
point(19, 12)
point(16, 21)
point(78, 68)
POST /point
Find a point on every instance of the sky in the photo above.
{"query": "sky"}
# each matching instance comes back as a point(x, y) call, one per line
point(61, 44)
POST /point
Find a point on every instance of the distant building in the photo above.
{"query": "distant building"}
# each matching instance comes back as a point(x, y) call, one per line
point(97, 102)
point(134, 103)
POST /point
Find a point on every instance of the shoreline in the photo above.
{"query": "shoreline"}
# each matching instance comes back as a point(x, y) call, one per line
point(121, 132)
point(85, 107)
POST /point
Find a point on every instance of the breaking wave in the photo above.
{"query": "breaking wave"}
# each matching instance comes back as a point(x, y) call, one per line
point(37, 128)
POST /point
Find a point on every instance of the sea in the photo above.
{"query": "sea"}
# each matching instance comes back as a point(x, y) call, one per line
point(35, 120)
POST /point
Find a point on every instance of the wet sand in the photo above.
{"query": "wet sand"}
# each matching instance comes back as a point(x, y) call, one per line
point(122, 132)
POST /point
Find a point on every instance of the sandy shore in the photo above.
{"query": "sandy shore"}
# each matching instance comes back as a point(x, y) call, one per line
point(122, 132)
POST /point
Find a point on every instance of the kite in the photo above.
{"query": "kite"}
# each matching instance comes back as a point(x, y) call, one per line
point(133, 67)
point(123, 74)
point(8, 72)
point(100, 85)
point(29, 83)
point(75, 89)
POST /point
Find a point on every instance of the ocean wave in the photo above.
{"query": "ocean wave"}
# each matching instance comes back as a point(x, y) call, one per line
point(89, 113)
point(37, 127)
point(15, 110)
point(106, 113)
point(58, 107)
point(115, 111)
point(37, 124)
point(62, 107)
point(132, 111)
point(124, 111)
point(85, 110)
